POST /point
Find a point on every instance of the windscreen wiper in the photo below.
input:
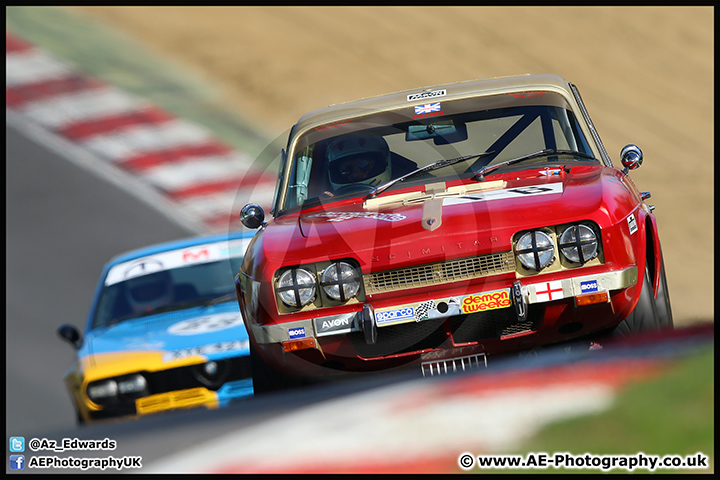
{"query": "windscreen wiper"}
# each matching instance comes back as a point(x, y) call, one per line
point(480, 174)
point(429, 167)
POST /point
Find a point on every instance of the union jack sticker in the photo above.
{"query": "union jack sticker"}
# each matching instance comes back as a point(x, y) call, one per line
point(427, 108)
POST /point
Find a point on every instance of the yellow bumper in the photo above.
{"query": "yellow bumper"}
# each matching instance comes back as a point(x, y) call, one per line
point(193, 397)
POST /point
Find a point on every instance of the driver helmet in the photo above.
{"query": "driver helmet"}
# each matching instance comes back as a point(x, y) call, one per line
point(359, 160)
point(148, 292)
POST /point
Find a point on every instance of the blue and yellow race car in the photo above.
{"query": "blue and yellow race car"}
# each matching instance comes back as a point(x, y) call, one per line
point(164, 332)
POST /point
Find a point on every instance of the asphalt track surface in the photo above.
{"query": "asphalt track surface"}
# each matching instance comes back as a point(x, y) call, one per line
point(63, 223)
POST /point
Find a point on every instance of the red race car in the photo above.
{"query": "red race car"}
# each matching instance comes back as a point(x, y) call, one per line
point(435, 228)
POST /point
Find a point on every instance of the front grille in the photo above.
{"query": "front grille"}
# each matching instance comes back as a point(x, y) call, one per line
point(439, 273)
point(183, 378)
point(403, 338)
point(460, 364)
point(475, 327)
point(518, 328)
point(182, 399)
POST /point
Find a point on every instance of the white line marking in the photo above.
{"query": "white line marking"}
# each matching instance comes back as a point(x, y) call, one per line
point(133, 140)
point(107, 171)
point(196, 171)
point(61, 110)
point(383, 425)
point(32, 66)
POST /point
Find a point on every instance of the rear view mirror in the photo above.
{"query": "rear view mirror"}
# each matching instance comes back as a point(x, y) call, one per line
point(442, 132)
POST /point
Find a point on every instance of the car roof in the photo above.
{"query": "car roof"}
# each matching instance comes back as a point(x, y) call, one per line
point(176, 244)
point(454, 90)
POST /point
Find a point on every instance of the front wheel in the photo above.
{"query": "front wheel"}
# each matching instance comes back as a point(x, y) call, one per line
point(662, 299)
point(644, 316)
point(266, 379)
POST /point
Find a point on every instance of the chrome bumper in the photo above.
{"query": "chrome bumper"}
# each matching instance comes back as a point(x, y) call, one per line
point(530, 290)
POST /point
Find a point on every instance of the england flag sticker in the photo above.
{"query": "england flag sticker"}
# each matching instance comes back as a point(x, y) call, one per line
point(548, 291)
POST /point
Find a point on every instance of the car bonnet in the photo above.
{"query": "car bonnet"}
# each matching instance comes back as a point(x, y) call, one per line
point(522, 199)
point(213, 333)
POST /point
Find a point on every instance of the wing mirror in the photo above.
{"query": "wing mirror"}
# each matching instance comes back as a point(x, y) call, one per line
point(70, 334)
point(252, 216)
point(631, 157)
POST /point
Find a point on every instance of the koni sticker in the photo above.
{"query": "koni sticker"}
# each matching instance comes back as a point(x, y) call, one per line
point(632, 224)
point(486, 301)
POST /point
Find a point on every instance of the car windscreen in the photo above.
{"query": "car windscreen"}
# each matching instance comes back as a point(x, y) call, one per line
point(166, 290)
point(351, 157)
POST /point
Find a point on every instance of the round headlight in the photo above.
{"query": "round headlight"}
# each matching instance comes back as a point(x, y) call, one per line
point(132, 385)
point(579, 243)
point(535, 250)
point(296, 287)
point(100, 391)
point(340, 281)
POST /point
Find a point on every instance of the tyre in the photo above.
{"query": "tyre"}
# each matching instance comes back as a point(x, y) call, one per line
point(662, 299)
point(644, 316)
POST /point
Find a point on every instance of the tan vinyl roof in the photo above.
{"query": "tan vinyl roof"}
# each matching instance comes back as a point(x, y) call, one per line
point(454, 90)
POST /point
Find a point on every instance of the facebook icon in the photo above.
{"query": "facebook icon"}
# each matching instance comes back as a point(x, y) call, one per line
point(17, 462)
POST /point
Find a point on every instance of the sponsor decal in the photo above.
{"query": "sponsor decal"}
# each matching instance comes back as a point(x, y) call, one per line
point(589, 286)
point(632, 224)
point(295, 333)
point(198, 254)
point(141, 344)
point(331, 125)
point(527, 94)
point(421, 95)
point(423, 310)
point(394, 316)
point(486, 301)
point(210, 323)
point(205, 350)
point(339, 324)
point(340, 216)
point(193, 255)
point(546, 189)
point(548, 291)
point(144, 266)
point(429, 108)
